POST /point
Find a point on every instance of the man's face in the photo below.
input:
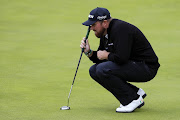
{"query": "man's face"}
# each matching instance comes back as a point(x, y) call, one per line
point(98, 29)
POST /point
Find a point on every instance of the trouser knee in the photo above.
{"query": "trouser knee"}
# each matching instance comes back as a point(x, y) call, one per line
point(99, 71)
point(102, 71)
point(92, 71)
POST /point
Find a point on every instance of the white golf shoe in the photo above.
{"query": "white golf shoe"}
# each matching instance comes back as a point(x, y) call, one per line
point(141, 93)
point(131, 106)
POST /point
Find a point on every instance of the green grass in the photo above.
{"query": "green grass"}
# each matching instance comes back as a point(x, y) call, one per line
point(39, 52)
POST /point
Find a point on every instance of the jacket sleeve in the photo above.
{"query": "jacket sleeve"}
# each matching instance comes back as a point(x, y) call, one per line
point(94, 58)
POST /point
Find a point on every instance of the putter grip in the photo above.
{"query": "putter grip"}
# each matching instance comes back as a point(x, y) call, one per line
point(88, 31)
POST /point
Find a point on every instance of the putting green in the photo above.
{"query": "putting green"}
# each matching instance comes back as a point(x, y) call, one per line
point(39, 52)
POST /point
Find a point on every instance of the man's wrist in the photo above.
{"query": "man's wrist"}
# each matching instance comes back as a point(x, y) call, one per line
point(107, 55)
point(89, 53)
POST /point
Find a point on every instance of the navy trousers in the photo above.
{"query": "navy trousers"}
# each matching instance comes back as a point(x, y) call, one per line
point(115, 78)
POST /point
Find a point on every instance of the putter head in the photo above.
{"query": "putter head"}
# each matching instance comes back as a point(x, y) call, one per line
point(65, 108)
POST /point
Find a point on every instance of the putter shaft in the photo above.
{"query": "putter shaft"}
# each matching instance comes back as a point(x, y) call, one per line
point(78, 64)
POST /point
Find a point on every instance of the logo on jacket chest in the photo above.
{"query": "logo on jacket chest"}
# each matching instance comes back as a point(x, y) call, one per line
point(108, 45)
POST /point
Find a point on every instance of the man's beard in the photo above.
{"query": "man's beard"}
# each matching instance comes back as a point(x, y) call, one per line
point(100, 33)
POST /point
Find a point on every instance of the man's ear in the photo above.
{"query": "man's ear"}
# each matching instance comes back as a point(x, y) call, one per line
point(105, 24)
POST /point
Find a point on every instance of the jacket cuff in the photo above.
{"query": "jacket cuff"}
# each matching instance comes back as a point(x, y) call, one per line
point(94, 56)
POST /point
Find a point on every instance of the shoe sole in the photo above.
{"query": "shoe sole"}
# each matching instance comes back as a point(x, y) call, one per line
point(143, 102)
point(134, 109)
point(144, 95)
point(141, 105)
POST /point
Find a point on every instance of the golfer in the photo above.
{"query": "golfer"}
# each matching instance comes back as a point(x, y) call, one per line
point(124, 55)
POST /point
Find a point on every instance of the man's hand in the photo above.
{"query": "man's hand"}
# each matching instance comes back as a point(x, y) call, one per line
point(102, 55)
point(84, 45)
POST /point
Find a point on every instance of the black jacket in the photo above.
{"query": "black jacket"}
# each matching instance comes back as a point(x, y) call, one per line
point(126, 42)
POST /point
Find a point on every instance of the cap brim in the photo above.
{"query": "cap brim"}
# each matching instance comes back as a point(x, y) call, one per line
point(88, 22)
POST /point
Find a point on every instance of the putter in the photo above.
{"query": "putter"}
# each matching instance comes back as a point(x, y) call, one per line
point(67, 107)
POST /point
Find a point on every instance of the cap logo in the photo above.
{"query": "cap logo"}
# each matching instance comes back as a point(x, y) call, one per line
point(91, 16)
point(102, 17)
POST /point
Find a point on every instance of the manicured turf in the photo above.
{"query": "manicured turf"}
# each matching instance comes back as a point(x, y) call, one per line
point(39, 52)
